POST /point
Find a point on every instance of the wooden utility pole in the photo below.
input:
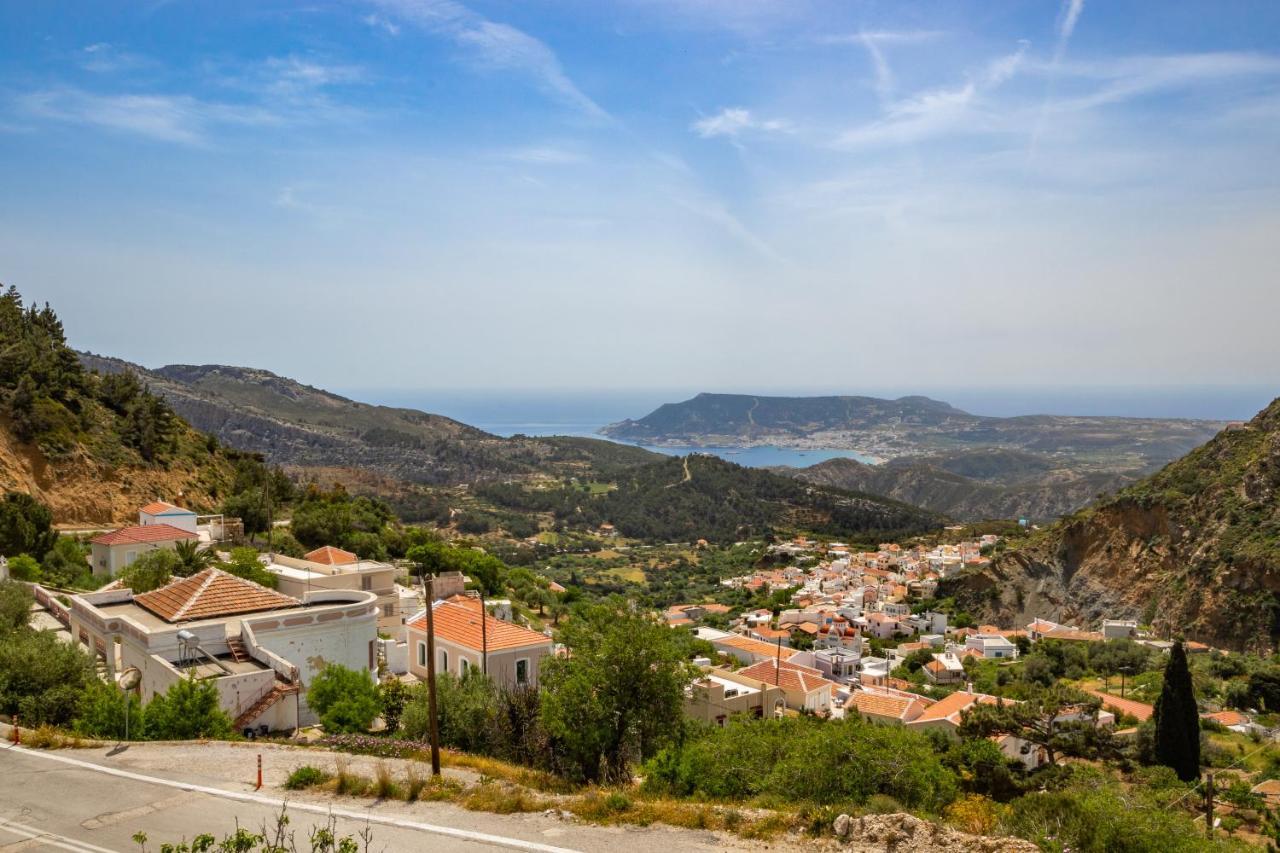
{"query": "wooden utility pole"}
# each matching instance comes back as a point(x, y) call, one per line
point(777, 665)
point(484, 635)
point(1208, 805)
point(428, 587)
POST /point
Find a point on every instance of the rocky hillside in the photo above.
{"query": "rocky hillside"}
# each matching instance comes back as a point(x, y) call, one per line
point(914, 426)
point(92, 448)
point(1027, 488)
point(1193, 550)
point(297, 425)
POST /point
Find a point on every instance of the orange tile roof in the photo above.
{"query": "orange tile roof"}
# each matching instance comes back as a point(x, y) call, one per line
point(790, 676)
point(1268, 788)
point(755, 647)
point(1141, 710)
point(159, 507)
point(949, 708)
point(211, 594)
point(143, 534)
point(884, 705)
point(332, 556)
point(460, 624)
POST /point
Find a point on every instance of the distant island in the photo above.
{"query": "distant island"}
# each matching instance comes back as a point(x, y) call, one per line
point(911, 426)
point(931, 453)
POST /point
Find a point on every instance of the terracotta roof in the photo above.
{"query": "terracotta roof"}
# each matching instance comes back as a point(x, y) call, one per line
point(791, 676)
point(1069, 634)
point(460, 624)
point(1140, 710)
point(332, 556)
point(1268, 788)
point(142, 534)
point(746, 644)
point(211, 594)
point(884, 705)
point(161, 507)
point(950, 707)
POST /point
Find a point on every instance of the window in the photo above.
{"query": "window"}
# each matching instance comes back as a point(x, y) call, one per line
point(444, 661)
point(463, 666)
point(422, 654)
point(522, 671)
point(366, 582)
point(373, 654)
point(386, 610)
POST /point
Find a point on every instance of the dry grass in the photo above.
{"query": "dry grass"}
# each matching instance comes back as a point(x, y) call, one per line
point(384, 786)
point(47, 737)
point(502, 799)
point(538, 780)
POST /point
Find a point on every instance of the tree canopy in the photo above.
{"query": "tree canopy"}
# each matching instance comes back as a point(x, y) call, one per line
point(617, 696)
point(1177, 742)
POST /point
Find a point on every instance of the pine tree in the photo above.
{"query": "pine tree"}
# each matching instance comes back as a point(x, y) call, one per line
point(1177, 719)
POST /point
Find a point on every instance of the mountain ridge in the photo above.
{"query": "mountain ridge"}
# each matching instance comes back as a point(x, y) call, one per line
point(1193, 549)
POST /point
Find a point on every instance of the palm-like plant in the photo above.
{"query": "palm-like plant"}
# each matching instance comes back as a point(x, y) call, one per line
point(192, 558)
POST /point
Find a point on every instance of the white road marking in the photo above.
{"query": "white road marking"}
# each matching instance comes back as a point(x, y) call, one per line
point(352, 814)
point(62, 842)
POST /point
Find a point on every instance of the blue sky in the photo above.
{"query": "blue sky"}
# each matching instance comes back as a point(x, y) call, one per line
point(716, 194)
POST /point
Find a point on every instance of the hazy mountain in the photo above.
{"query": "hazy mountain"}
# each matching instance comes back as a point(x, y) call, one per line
point(913, 426)
point(295, 424)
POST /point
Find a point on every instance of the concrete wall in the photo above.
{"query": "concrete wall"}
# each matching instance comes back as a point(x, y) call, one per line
point(108, 560)
point(182, 521)
point(311, 640)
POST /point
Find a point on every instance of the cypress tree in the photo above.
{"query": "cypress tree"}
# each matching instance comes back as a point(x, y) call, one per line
point(1177, 719)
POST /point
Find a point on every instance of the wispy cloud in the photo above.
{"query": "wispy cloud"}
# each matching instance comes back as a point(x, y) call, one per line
point(165, 118)
point(935, 111)
point(378, 22)
point(105, 58)
point(734, 121)
point(1068, 17)
point(874, 42)
point(1132, 77)
point(494, 46)
point(542, 155)
point(719, 215)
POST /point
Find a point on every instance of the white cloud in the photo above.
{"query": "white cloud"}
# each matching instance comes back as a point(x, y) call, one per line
point(378, 22)
point(935, 111)
point(1071, 10)
point(166, 118)
point(496, 46)
point(1132, 77)
point(732, 121)
point(543, 155)
point(105, 58)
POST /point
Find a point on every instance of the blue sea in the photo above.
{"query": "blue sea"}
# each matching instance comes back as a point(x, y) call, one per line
point(558, 412)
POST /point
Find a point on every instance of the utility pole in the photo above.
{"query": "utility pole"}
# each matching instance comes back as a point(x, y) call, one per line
point(270, 520)
point(777, 665)
point(484, 635)
point(428, 587)
point(1208, 806)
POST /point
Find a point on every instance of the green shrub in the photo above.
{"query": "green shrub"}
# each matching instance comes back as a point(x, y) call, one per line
point(345, 699)
point(805, 759)
point(306, 776)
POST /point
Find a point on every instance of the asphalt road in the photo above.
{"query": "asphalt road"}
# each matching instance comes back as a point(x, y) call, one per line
point(70, 800)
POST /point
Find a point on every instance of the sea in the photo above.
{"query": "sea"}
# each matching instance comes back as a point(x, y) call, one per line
point(508, 412)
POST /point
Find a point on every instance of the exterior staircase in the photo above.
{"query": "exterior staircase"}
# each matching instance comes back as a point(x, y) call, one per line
point(238, 652)
point(278, 691)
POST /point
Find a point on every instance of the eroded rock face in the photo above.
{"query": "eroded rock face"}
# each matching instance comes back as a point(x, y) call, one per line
point(1194, 550)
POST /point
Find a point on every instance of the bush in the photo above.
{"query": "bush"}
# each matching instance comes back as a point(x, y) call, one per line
point(189, 710)
point(101, 713)
point(24, 568)
point(345, 699)
point(15, 606)
point(836, 761)
point(41, 677)
point(306, 776)
point(150, 571)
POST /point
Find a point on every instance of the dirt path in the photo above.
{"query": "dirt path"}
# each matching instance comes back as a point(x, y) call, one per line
point(688, 475)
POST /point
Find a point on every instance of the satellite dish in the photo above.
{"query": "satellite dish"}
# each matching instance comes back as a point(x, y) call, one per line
point(129, 678)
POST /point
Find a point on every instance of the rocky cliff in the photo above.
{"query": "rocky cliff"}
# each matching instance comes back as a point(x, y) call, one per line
point(1193, 549)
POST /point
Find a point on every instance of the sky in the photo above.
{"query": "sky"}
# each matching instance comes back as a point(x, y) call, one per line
point(726, 195)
